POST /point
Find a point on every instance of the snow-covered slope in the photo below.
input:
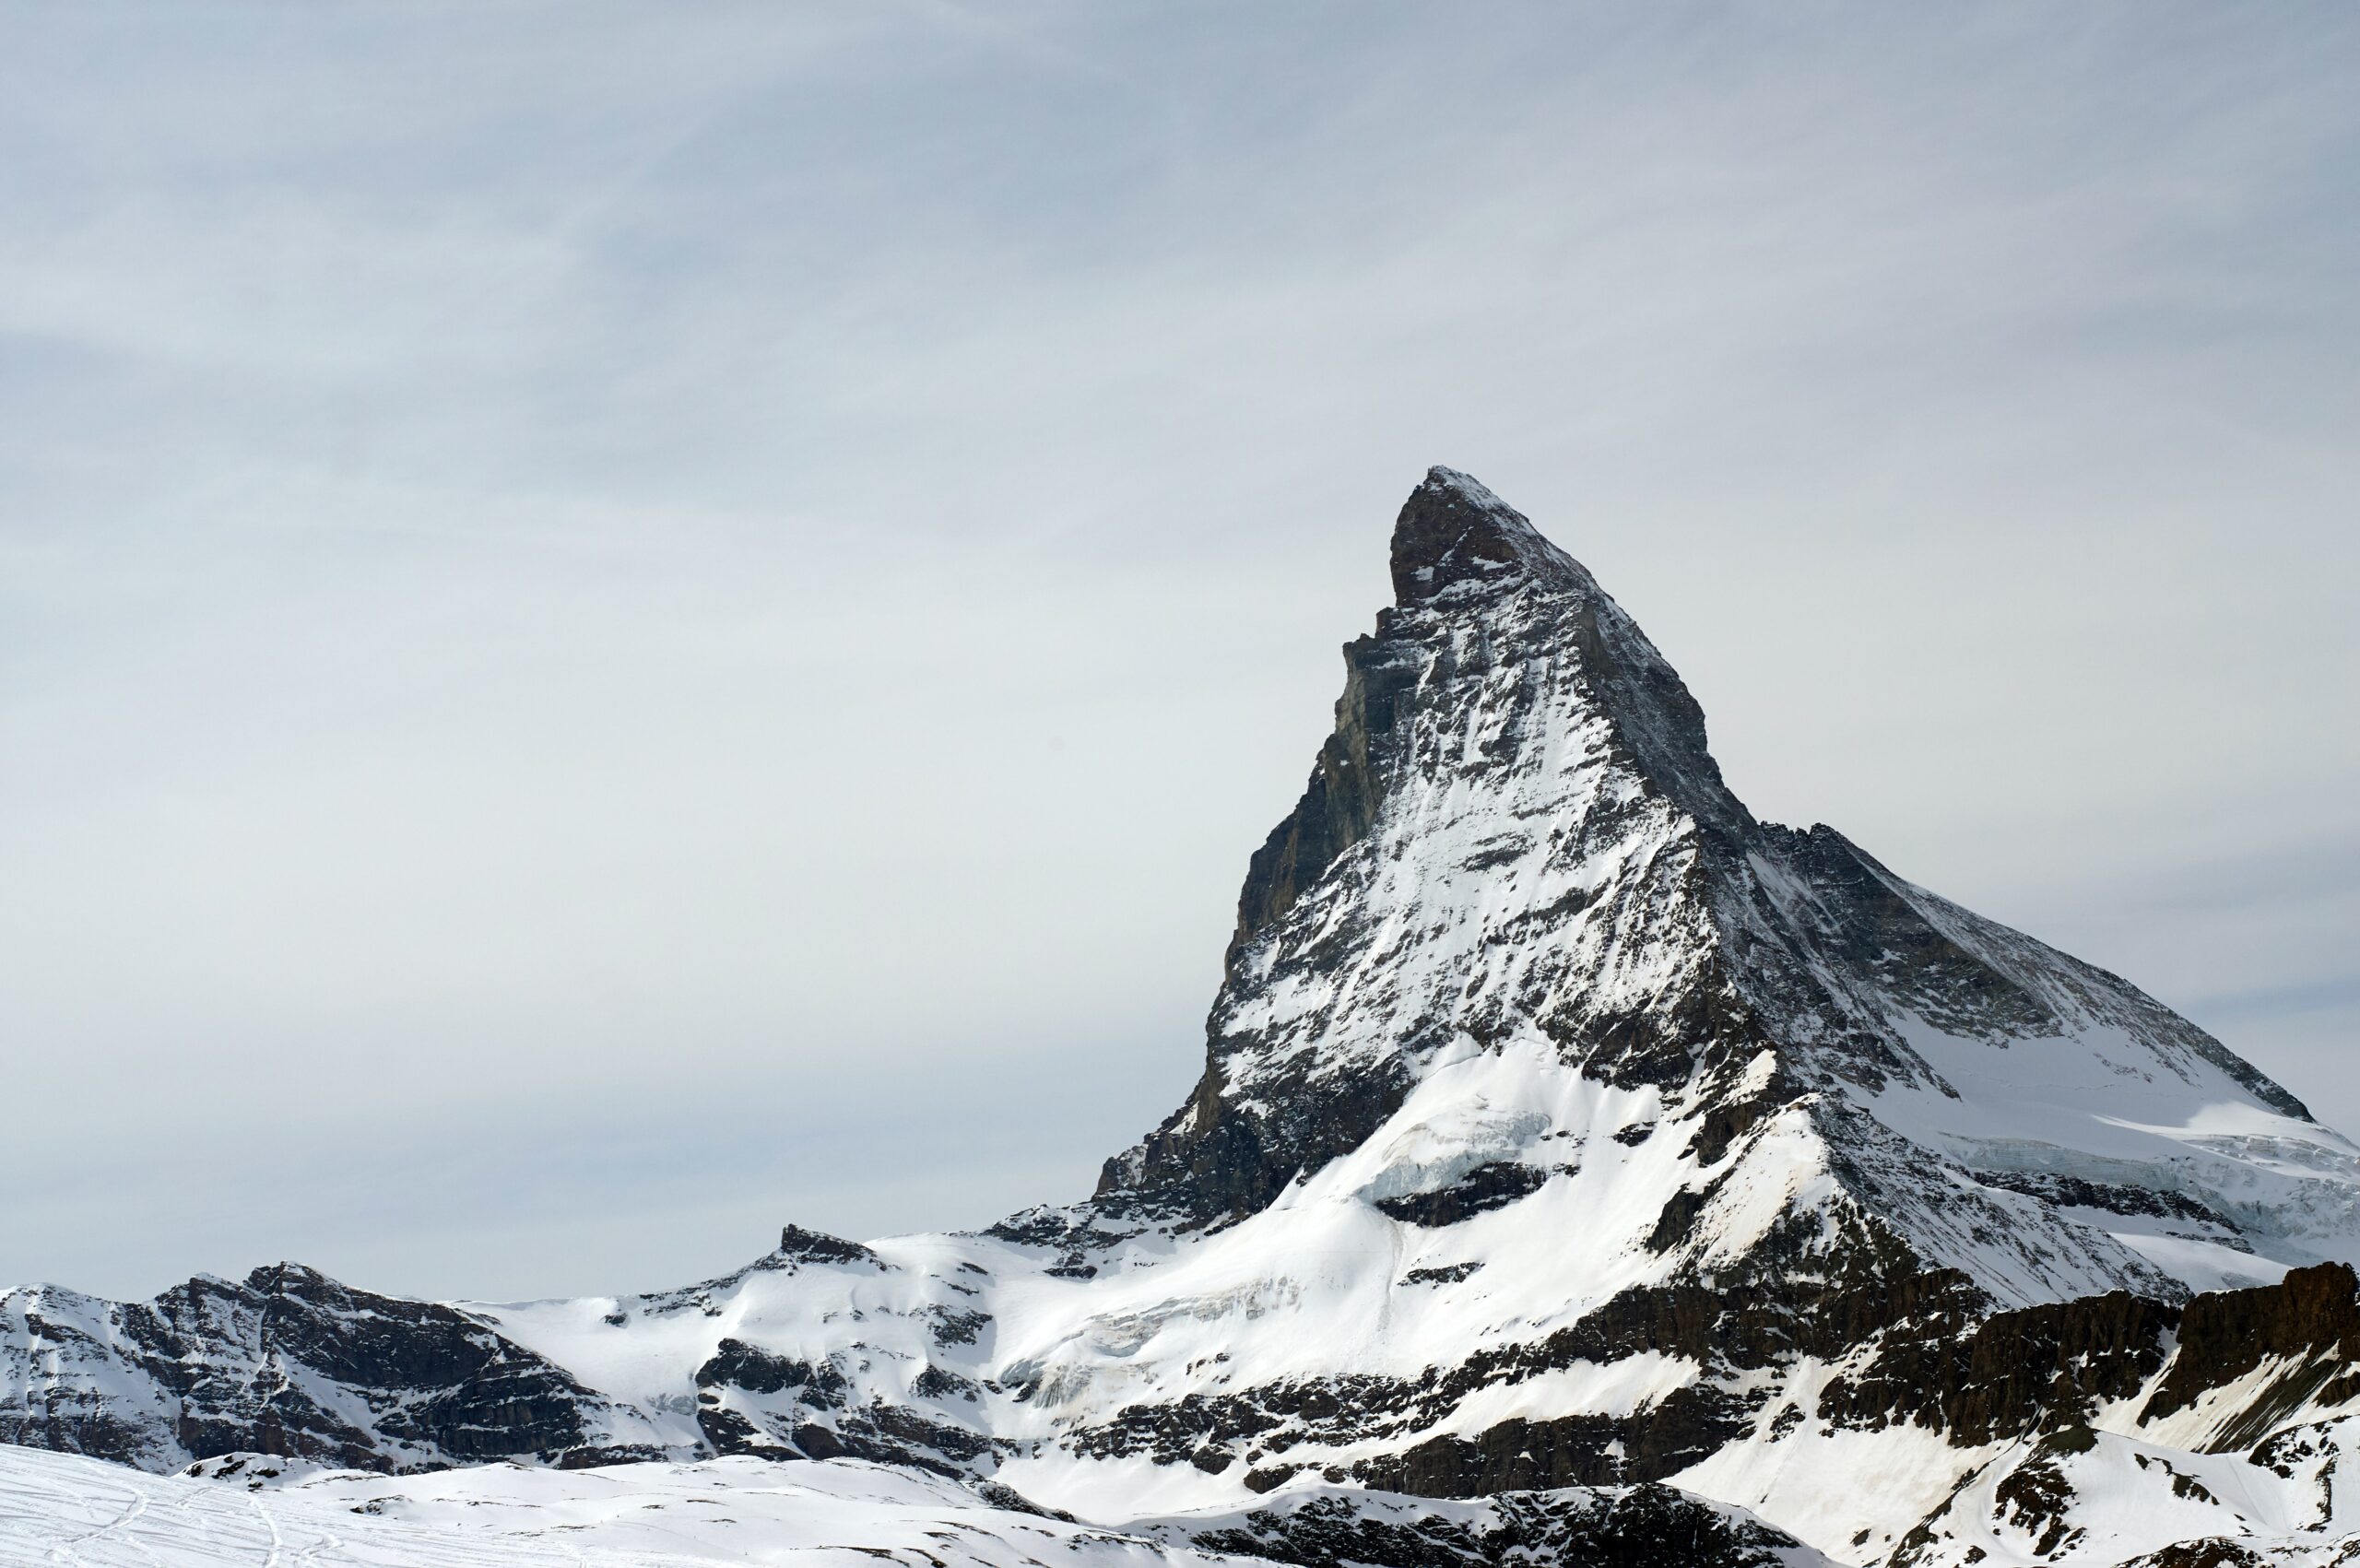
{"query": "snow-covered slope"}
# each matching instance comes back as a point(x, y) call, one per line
point(67, 1509)
point(1561, 1124)
point(251, 1511)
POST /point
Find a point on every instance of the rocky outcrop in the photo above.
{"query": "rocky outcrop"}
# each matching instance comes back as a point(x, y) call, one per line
point(754, 1401)
point(285, 1362)
point(2306, 1327)
point(1642, 1527)
point(2011, 1374)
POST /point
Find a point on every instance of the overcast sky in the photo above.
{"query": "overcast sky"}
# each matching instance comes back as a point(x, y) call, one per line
point(623, 624)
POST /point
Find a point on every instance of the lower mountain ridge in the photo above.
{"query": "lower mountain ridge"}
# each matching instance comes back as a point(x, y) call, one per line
point(1582, 1170)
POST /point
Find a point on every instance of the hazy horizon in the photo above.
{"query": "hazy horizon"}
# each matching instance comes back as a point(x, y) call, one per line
point(625, 626)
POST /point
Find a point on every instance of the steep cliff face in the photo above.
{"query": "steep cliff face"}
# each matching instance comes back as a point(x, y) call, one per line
point(1562, 1126)
point(1502, 839)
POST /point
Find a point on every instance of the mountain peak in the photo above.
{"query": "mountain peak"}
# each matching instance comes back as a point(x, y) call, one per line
point(1457, 544)
point(1516, 843)
point(1452, 530)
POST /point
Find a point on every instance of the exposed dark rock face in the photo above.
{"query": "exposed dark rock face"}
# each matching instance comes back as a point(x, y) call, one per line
point(1682, 1428)
point(1209, 1163)
point(753, 1401)
point(1479, 1192)
point(796, 1245)
point(2310, 1321)
point(739, 1365)
point(286, 1362)
point(1644, 1526)
point(2213, 1552)
point(2076, 1191)
point(289, 1362)
point(1339, 803)
point(2012, 1373)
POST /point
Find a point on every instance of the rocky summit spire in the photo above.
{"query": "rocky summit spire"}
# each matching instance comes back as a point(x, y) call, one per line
point(1452, 530)
point(1458, 550)
point(1513, 764)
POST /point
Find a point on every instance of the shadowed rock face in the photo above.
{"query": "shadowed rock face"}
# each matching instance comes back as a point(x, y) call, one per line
point(288, 1363)
point(2308, 1325)
point(2011, 1374)
point(1647, 1526)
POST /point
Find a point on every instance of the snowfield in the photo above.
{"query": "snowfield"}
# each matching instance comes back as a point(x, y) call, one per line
point(61, 1508)
point(252, 1511)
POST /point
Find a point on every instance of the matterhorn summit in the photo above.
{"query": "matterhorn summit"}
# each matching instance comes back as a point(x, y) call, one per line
point(1582, 1170)
point(1517, 846)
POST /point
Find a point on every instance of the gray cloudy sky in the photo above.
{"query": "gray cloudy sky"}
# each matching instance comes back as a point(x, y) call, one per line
point(619, 624)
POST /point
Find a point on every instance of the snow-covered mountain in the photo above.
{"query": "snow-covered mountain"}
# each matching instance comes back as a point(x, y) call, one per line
point(1562, 1126)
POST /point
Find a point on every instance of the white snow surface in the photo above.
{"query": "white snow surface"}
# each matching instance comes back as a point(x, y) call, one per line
point(2122, 1498)
point(71, 1512)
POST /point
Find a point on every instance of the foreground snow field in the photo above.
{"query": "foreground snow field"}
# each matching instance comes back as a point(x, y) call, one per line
point(63, 1508)
point(252, 1511)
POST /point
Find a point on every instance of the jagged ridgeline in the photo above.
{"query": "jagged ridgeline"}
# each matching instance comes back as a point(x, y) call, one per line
point(1567, 1139)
